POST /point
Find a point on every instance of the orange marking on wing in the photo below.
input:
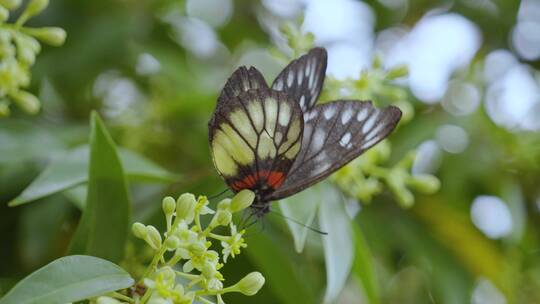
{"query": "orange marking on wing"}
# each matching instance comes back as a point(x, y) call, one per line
point(275, 179)
point(250, 180)
point(239, 185)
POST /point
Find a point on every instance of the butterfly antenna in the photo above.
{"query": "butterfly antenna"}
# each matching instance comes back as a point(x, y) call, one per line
point(243, 224)
point(251, 224)
point(299, 223)
point(218, 195)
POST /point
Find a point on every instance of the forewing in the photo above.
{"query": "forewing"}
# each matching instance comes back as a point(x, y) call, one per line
point(303, 78)
point(334, 134)
point(242, 80)
point(254, 139)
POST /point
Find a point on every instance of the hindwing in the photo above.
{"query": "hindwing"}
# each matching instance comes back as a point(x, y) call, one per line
point(334, 134)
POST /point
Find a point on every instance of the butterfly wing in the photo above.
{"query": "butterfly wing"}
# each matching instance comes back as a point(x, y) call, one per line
point(303, 78)
point(255, 137)
point(334, 134)
point(241, 80)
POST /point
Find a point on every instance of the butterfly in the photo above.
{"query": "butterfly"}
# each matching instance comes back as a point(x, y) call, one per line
point(276, 141)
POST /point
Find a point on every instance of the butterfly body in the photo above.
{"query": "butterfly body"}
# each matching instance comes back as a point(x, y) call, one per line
point(276, 142)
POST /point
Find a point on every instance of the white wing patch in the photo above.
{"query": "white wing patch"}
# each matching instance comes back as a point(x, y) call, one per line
point(332, 138)
point(303, 78)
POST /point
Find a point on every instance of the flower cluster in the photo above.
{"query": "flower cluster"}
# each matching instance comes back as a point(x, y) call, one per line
point(184, 268)
point(366, 176)
point(19, 46)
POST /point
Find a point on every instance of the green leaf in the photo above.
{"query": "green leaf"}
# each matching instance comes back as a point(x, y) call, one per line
point(63, 173)
point(77, 195)
point(280, 269)
point(338, 244)
point(69, 279)
point(301, 207)
point(103, 227)
point(40, 231)
point(71, 170)
point(363, 266)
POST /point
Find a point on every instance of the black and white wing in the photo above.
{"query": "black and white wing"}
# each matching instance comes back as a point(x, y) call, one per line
point(303, 78)
point(254, 139)
point(242, 80)
point(335, 133)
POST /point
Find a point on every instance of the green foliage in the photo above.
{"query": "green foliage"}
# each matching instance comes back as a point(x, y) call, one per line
point(19, 46)
point(108, 202)
point(69, 279)
point(71, 170)
point(430, 251)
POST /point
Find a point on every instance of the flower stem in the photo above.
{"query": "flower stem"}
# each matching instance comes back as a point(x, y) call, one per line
point(154, 263)
point(122, 297)
point(146, 296)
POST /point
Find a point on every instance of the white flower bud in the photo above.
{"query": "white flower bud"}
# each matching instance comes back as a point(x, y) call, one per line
point(172, 242)
point(250, 284)
point(197, 248)
point(36, 6)
point(425, 183)
point(153, 238)
point(185, 207)
point(208, 270)
point(168, 205)
point(4, 14)
point(54, 36)
point(223, 217)
point(139, 230)
point(242, 200)
point(107, 300)
point(398, 72)
point(27, 101)
point(224, 204)
point(4, 109)
point(10, 4)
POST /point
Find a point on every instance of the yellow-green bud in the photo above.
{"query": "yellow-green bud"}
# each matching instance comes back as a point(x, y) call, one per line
point(223, 217)
point(4, 109)
point(36, 6)
point(172, 242)
point(407, 110)
point(26, 101)
point(398, 72)
point(10, 4)
point(242, 200)
point(250, 284)
point(425, 183)
point(26, 55)
point(107, 300)
point(377, 61)
point(185, 207)
point(168, 205)
point(4, 14)
point(197, 248)
point(54, 36)
point(224, 204)
point(139, 230)
point(208, 270)
point(153, 238)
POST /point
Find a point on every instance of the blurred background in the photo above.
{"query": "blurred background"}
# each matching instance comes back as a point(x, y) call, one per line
point(153, 70)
